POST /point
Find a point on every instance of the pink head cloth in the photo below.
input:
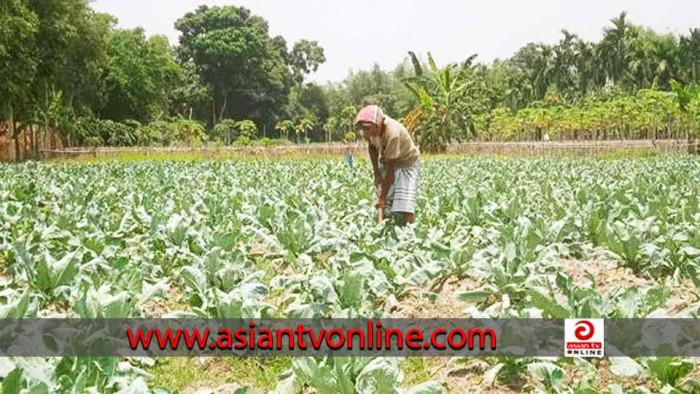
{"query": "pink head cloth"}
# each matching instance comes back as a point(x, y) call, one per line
point(370, 114)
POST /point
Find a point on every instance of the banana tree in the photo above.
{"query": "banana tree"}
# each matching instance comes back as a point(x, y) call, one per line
point(443, 95)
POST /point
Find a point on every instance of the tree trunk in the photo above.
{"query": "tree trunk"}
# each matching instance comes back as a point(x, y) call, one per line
point(13, 132)
point(691, 147)
point(223, 108)
point(26, 143)
point(35, 146)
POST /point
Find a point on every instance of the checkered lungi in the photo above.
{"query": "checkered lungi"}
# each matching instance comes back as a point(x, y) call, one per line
point(402, 194)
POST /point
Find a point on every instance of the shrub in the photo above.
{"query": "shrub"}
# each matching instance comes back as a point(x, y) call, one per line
point(266, 142)
point(242, 141)
point(225, 131)
point(190, 131)
point(117, 134)
point(173, 132)
point(247, 128)
point(89, 131)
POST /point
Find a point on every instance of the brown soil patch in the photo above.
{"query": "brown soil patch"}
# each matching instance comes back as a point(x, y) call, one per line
point(469, 377)
point(681, 297)
point(162, 306)
point(214, 367)
point(5, 277)
point(417, 304)
point(605, 378)
point(58, 309)
point(256, 249)
point(606, 272)
point(609, 275)
point(226, 388)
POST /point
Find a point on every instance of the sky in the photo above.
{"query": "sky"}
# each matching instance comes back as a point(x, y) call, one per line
point(356, 34)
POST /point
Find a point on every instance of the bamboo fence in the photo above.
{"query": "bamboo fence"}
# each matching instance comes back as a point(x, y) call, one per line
point(577, 148)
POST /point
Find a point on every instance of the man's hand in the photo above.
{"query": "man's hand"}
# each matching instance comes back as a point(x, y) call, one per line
point(381, 203)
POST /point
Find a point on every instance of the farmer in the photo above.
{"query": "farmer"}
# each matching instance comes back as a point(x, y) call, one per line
point(349, 154)
point(395, 161)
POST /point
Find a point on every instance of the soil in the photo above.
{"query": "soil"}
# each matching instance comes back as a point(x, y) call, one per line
point(445, 305)
point(605, 271)
point(170, 303)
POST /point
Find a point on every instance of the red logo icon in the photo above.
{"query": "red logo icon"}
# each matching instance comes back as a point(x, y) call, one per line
point(584, 337)
point(584, 330)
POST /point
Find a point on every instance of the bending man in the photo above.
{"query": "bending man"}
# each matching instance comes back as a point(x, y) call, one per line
point(395, 161)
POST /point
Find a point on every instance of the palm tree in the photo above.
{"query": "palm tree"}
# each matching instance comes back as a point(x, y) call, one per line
point(284, 127)
point(565, 74)
point(304, 125)
point(689, 48)
point(684, 96)
point(614, 49)
point(330, 127)
point(348, 114)
point(538, 62)
point(544, 70)
point(587, 66)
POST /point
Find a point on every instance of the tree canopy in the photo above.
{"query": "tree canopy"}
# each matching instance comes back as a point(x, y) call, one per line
point(66, 68)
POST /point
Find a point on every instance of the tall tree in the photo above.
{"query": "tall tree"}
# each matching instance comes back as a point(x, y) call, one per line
point(305, 58)
point(689, 48)
point(614, 48)
point(538, 62)
point(234, 53)
point(18, 28)
point(140, 77)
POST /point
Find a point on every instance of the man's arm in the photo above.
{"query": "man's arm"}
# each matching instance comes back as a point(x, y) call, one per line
point(374, 156)
point(388, 181)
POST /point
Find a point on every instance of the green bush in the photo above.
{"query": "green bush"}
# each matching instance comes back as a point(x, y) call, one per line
point(173, 132)
point(89, 131)
point(273, 142)
point(350, 136)
point(266, 142)
point(225, 131)
point(191, 132)
point(117, 134)
point(247, 128)
point(242, 141)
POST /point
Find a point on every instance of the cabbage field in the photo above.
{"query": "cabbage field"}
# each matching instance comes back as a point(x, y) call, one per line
point(548, 237)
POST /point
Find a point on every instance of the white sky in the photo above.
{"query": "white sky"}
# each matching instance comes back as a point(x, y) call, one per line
point(356, 34)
